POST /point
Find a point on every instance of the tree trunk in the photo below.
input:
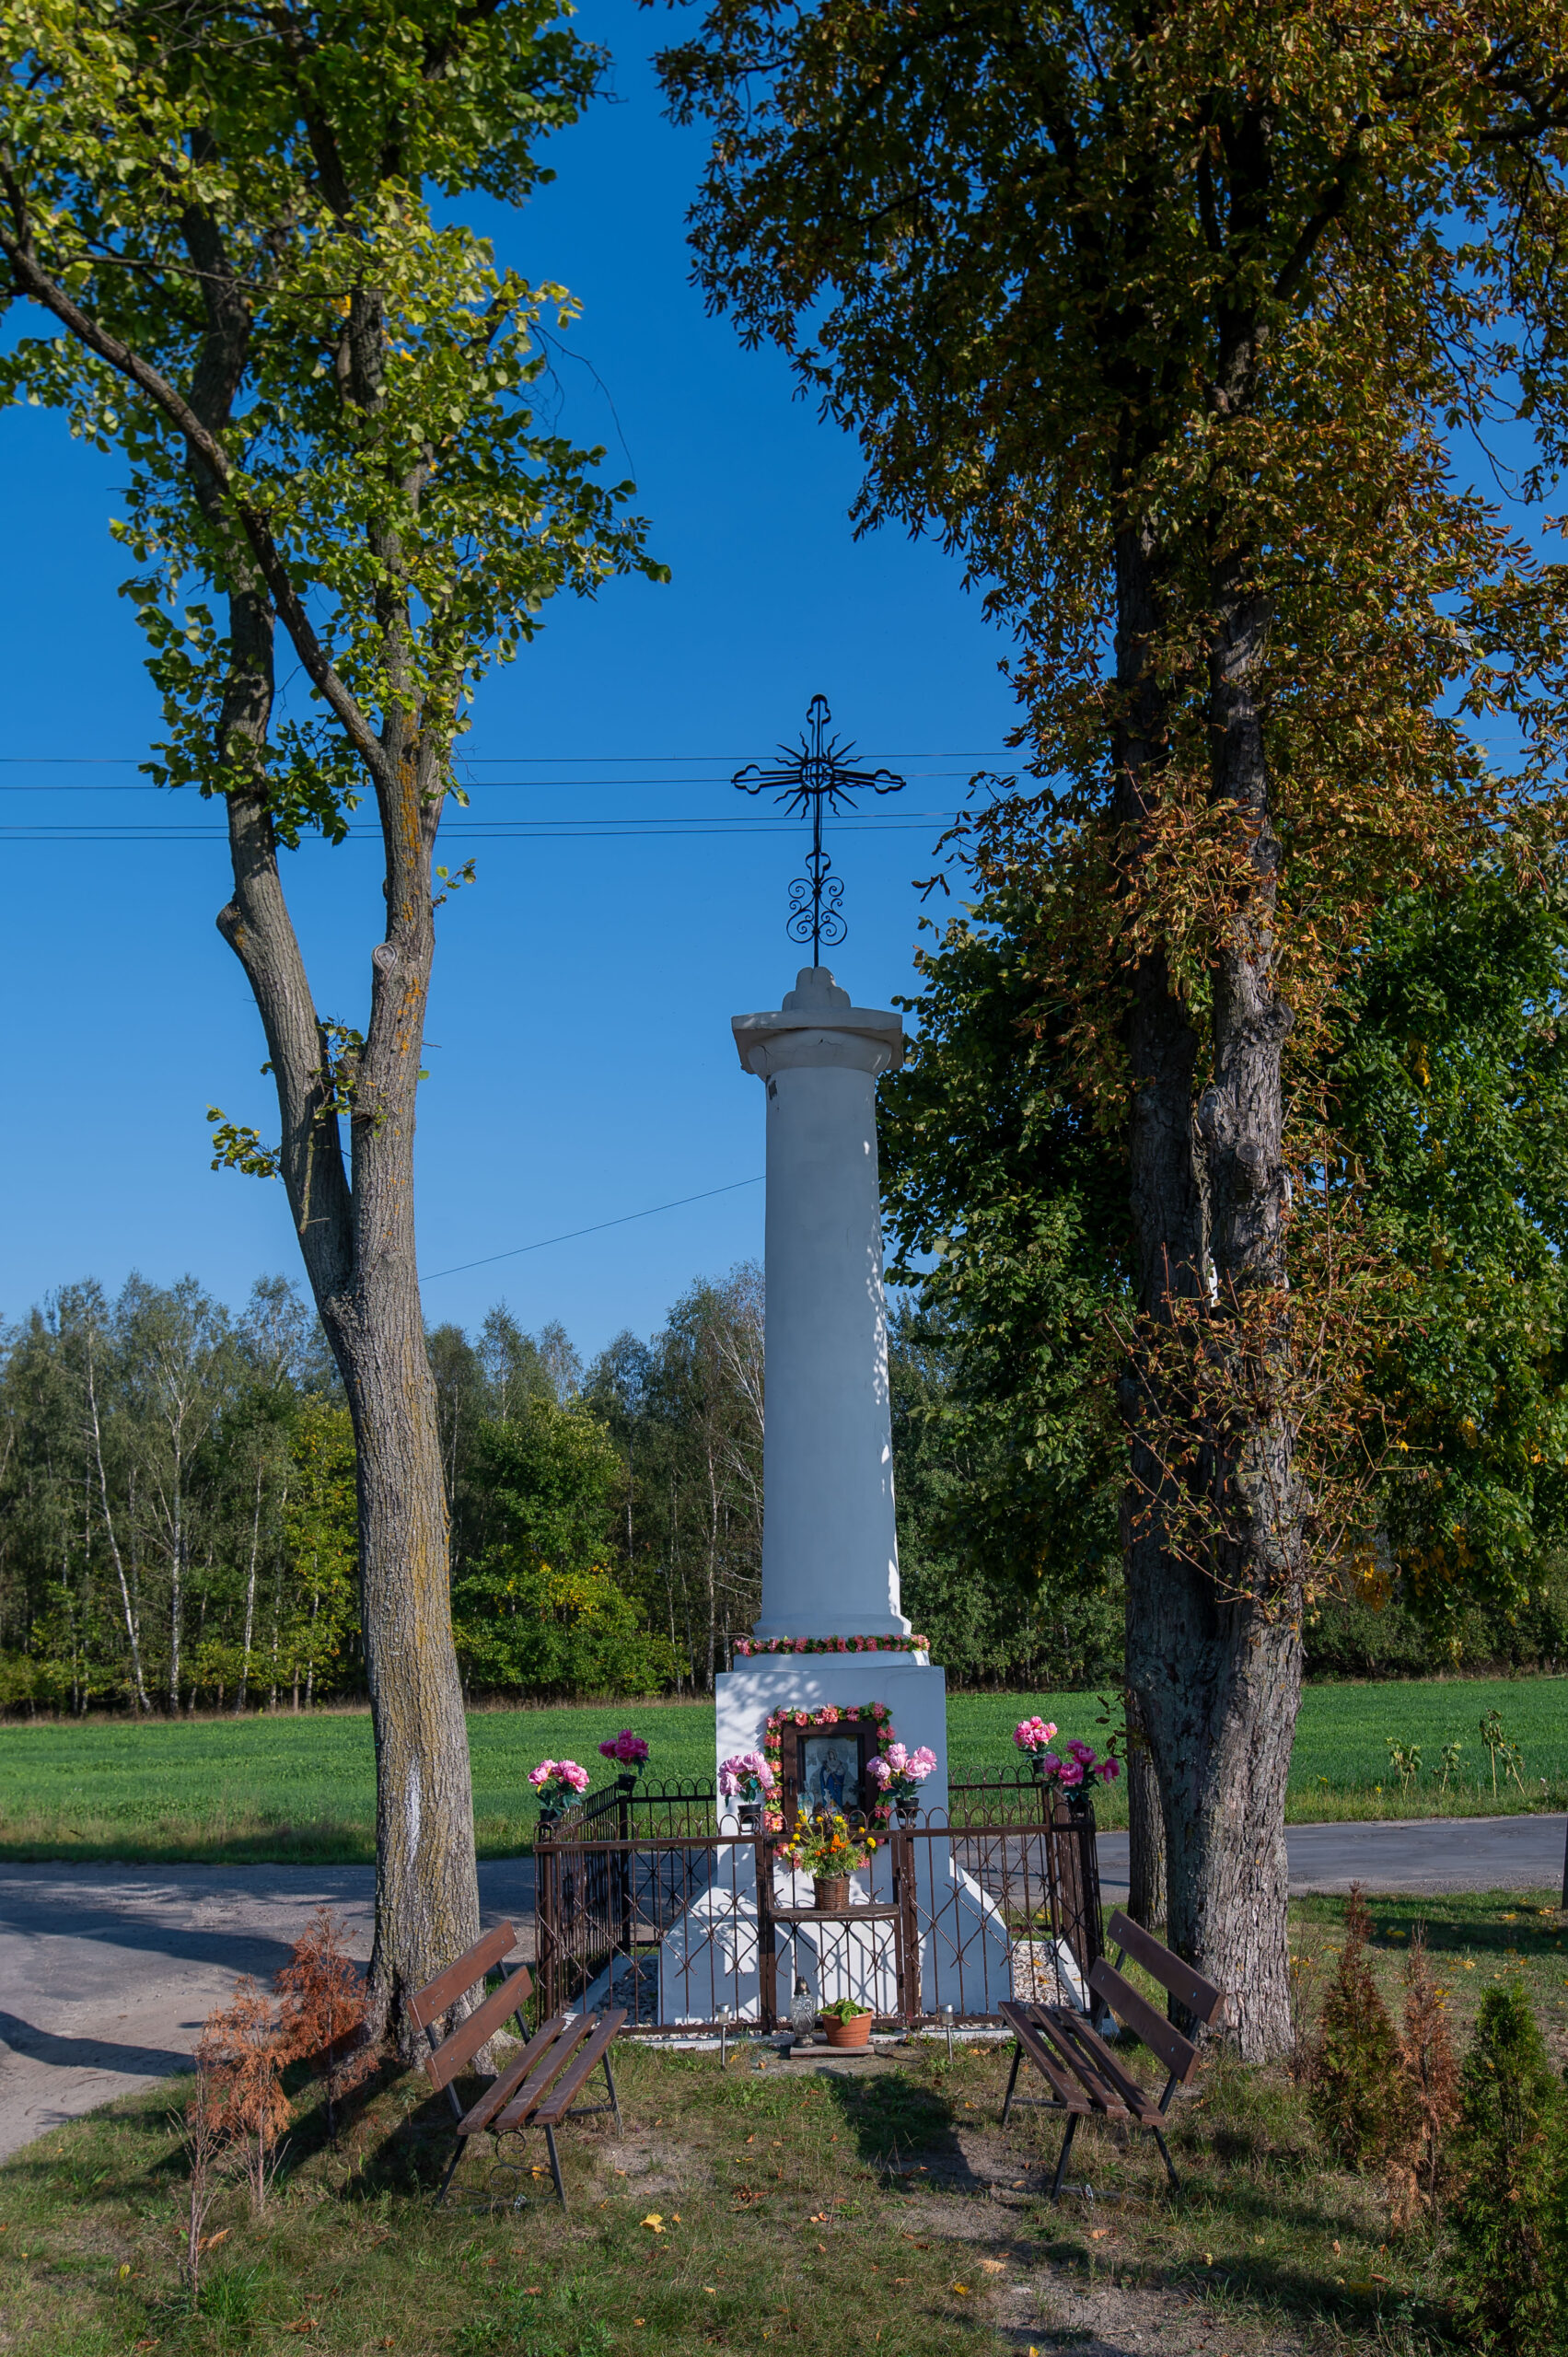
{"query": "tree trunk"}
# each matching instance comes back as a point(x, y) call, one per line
point(426, 1883)
point(1145, 1820)
point(1213, 1660)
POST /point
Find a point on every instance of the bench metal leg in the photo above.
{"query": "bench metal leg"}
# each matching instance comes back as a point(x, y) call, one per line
point(1165, 2155)
point(555, 2165)
point(614, 2098)
point(459, 2146)
point(1012, 2083)
point(1061, 2157)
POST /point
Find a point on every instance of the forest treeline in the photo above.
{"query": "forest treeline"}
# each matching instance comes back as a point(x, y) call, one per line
point(177, 1513)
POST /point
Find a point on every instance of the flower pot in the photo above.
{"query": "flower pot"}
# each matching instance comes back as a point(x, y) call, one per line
point(908, 1809)
point(854, 2032)
point(831, 1891)
point(751, 1816)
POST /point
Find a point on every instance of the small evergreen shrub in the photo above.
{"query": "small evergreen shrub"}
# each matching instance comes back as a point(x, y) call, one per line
point(1510, 2224)
point(1358, 2094)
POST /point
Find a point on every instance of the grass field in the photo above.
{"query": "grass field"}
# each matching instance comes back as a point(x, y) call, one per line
point(287, 1788)
point(875, 2206)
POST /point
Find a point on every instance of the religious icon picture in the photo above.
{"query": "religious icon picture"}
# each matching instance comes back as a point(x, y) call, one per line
point(830, 1772)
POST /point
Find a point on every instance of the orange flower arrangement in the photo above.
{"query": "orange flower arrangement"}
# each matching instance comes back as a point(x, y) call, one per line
point(824, 1847)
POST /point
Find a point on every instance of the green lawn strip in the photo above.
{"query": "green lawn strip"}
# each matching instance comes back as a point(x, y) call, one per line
point(301, 1790)
point(807, 2213)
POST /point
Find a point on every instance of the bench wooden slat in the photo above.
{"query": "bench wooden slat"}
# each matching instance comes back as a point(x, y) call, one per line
point(1034, 2046)
point(482, 2024)
point(548, 2069)
point(459, 1979)
point(1077, 2029)
point(1177, 2053)
point(501, 2090)
point(1103, 2096)
point(1202, 1999)
point(551, 2114)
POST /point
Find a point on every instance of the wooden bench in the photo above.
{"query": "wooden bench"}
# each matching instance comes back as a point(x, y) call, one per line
point(539, 2087)
point(1085, 2076)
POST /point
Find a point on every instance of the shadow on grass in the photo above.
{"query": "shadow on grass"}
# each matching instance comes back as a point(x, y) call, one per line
point(1525, 1925)
point(321, 1841)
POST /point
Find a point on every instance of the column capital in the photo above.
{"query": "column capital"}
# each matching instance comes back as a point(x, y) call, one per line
point(817, 1025)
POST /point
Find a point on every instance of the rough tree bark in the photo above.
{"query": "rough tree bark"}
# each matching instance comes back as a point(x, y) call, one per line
point(1213, 1656)
point(1145, 1828)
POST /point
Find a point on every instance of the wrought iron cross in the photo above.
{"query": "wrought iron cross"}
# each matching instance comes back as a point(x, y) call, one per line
point(814, 771)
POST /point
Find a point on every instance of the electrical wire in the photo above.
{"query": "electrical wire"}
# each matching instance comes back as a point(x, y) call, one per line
point(598, 1227)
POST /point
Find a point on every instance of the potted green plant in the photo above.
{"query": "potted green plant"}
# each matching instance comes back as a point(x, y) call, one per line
point(846, 2023)
point(825, 1848)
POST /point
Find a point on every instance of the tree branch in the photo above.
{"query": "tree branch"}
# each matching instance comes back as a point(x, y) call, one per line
point(17, 247)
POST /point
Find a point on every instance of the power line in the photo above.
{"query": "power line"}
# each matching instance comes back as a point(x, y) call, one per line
point(552, 830)
point(597, 1229)
point(484, 761)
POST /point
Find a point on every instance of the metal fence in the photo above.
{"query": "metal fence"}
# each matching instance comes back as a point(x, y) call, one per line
point(687, 1923)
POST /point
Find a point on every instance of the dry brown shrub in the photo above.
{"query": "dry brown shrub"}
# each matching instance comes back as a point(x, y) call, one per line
point(325, 2010)
point(239, 2064)
point(1415, 2165)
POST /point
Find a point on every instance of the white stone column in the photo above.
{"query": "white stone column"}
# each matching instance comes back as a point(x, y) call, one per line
point(830, 1546)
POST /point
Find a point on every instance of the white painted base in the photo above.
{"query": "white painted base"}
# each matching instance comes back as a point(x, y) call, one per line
point(711, 1956)
point(913, 1689)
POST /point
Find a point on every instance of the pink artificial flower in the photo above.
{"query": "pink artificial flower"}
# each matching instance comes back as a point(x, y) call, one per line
point(1108, 1770)
point(1083, 1753)
point(629, 1748)
point(897, 1757)
point(800, 1645)
point(879, 1772)
point(921, 1764)
point(1072, 1772)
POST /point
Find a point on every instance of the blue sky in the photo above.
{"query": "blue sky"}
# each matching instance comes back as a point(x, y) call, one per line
point(581, 1061)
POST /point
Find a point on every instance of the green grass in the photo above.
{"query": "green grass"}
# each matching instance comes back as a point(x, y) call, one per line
point(303, 1788)
point(878, 2205)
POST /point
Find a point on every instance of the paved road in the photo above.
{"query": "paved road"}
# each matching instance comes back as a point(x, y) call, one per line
point(107, 1973)
point(1432, 1854)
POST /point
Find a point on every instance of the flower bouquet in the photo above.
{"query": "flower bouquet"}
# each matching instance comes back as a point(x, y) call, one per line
point(901, 1773)
point(1071, 1774)
point(844, 2023)
point(558, 1784)
point(630, 1754)
point(747, 1780)
point(824, 1848)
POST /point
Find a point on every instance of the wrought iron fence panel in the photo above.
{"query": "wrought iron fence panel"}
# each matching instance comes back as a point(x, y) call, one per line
point(663, 1924)
point(954, 1911)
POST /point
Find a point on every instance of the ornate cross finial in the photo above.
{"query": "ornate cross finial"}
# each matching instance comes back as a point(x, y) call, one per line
point(813, 772)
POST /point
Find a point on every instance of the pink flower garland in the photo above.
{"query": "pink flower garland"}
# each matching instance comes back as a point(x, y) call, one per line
point(745, 1648)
